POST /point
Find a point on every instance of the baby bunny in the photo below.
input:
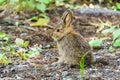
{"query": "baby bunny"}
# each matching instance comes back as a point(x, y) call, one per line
point(71, 45)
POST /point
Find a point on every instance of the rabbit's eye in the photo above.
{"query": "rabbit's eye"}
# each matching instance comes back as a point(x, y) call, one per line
point(58, 30)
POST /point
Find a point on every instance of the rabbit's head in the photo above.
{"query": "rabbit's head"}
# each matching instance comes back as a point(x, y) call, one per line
point(64, 27)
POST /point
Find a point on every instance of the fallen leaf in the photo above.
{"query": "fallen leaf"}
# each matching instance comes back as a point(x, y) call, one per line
point(40, 22)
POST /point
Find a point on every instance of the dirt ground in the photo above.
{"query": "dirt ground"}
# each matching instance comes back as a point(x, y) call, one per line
point(41, 68)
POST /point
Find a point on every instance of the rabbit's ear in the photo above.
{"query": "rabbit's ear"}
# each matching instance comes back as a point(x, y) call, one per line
point(67, 17)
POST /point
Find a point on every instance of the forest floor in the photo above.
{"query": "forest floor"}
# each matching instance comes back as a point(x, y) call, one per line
point(40, 68)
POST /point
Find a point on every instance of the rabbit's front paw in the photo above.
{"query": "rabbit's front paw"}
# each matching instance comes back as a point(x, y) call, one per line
point(59, 62)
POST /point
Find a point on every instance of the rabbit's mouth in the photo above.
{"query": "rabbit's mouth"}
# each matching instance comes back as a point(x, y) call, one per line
point(54, 38)
point(57, 38)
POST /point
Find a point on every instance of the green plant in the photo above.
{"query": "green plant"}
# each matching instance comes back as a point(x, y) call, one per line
point(21, 43)
point(117, 5)
point(24, 52)
point(40, 21)
point(34, 51)
point(2, 2)
point(117, 43)
point(27, 5)
point(95, 43)
point(106, 31)
point(3, 59)
point(20, 49)
point(115, 32)
point(4, 39)
point(82, 65)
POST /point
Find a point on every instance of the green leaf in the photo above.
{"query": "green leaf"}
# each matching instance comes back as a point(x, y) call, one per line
point(6, 39)
point(31, 4)
point(22, 54)
point(82, 66)
point(110, 48)
point(117, 43)
point(4, 60)
point(117, 5)
point(101, 26)
point(34, 18)
point(1, 55)
point(95, 43)
point(41, 7)
point(26, 43)
point(13, 1)
point(43, 15)
point(108, 23)
point(17, 23)
point(19, 41)
point(40, 22)
point(69, 6)
point(28, 56)
point(45, 1)
point(2, 1)
point(116, 34)
point(34, 51)
point(2, 34)
point(106, 31)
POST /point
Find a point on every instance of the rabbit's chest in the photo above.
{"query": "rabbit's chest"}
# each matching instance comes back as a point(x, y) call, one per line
point(71, 46)
point(66, 48)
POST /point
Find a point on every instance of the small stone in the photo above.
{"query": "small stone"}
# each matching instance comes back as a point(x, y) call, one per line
point(67, 78)
point(56, 76)
point(79, 76)
point(64, 73)
point(46, 67)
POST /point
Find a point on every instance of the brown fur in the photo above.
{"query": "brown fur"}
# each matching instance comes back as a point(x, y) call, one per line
point(71, 45)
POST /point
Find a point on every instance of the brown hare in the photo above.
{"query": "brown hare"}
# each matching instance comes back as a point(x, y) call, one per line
point(71, 45)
